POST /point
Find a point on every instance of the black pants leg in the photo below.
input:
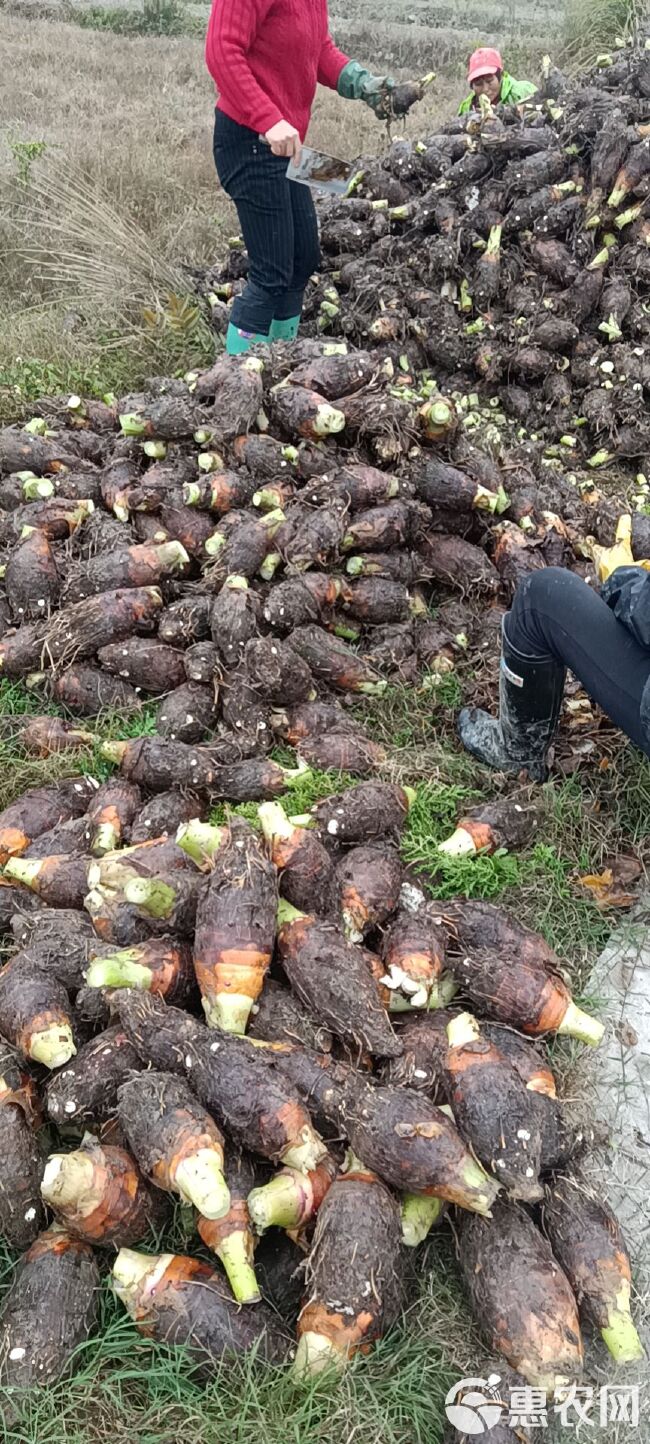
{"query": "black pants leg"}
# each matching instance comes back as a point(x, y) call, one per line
point(306, 250)
point(554, 613)
point(279, 226)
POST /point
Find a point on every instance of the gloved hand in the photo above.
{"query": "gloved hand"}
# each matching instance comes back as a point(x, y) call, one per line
point(356, 83)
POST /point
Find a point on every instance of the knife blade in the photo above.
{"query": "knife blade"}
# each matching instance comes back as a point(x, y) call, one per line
point(322, 172)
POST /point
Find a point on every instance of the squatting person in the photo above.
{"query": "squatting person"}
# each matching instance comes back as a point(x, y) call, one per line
point(558, 621)
point(267, 60)
point(486, 76)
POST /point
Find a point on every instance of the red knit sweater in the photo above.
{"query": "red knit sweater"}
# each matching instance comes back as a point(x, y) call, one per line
point(267, 57)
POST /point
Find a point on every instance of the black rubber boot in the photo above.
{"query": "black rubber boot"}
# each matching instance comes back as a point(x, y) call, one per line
point(530, 697)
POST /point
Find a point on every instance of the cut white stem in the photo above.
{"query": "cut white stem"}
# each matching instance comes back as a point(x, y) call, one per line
point(199, 1180)
point(53, 1046)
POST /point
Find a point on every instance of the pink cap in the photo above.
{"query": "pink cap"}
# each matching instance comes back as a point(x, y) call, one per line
point(484, 62)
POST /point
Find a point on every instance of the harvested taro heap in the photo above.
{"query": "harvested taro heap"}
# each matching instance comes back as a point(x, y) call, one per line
point(216, 988)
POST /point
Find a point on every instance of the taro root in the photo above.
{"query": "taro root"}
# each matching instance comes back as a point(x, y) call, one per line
point(255, 780)
point(342, 752)
point(335, 980)
point(278, 1017)
point(58, 880)
point(97, 1194)
point(524, 994)
point(482, 924)
point(354, 1289)
point(38, 811)
point(175, 1141)
point(302, 412)
point(311, 719)
point(159, 1033)
point(305, 867)
point(57, 940)
point(311, 538)
point(35, 1013)
point(277, 672)
point(458, 563)
point(138, 566)
point(144, 663)
point(159, 765)
point(45, 736)
point(291, 1199)
point(422, 1062)
point(32, 577)
point(21, 1211)
point(493, 825)
point(69, 838)
point(493, 1109)
point(369, 811)
point(251, 1099)
point(163, 814)
point(110, 815)
point(133, 907)
point(50, 1310)
point(187, 714)
point(442, 485)
point(332, 662)
point(401, 566)
point(301, 600)
point(366, 888)
point(380, 528)
point(588, 1243)
point(526, 1058)
point(358, 486)
point(159, 965)
point(235, 929)
point(413, 952)
point(179, 1300)
point(334, 376)
point(80, 630)
point(520, 1297)
point(374, 600)
point(185, 621)
point(264, 456)
point(415, 1147)
point(83, 1095)
point(89, 691)
point(220, 491)
point(202, 664)
point(234, 619)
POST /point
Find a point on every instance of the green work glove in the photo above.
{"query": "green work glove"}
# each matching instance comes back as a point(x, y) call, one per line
point(356, 83)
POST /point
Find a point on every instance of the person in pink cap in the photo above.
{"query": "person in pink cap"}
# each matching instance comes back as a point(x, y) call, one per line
point(487, 76)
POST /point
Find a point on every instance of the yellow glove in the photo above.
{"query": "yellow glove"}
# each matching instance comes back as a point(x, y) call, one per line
point(607, 559)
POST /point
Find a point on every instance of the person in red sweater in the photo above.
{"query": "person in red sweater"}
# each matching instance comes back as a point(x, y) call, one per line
point(266, 58)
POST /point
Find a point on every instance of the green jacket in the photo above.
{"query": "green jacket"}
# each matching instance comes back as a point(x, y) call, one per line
point(513, 92)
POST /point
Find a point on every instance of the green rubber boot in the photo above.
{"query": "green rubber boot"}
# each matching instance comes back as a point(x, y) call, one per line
point(284, 330)
point(239, 341)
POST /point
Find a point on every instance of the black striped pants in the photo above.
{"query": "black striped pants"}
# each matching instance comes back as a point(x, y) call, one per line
point(278, 223)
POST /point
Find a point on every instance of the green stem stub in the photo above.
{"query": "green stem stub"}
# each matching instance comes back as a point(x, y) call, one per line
point(118, 971)
point(200, 841)
point(419, 1214)
point(580, 1025)
point(283, 1202)
point(154, 896)
point(236, 1254)
point(620, 1335)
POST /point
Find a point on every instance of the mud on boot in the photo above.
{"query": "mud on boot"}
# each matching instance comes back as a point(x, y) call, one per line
point(530, 697)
